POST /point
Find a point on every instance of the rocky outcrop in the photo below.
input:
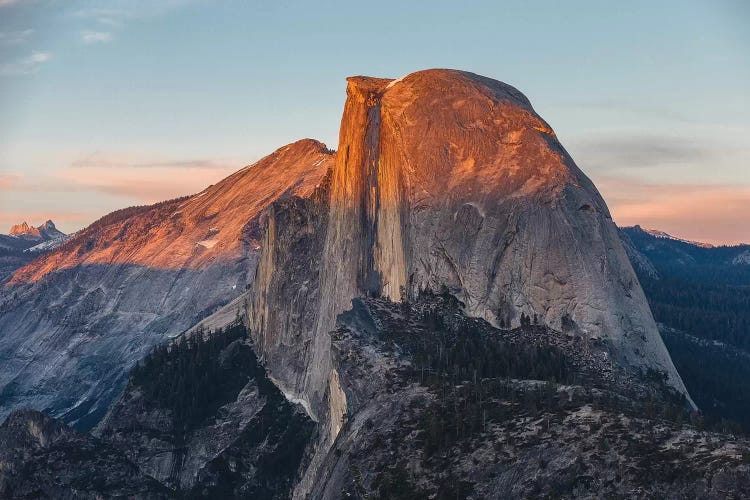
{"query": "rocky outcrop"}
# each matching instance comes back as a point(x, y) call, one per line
point(230, 433)
point(446, 178)
point(443, 406)
point(45, 232)
point(24, 243)
point(41, 457)
point(75, 319)
point(24, 230)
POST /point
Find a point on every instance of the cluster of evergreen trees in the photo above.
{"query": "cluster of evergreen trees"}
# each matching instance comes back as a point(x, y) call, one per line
point(467, 363)
point(714, 312)
point(114, 217)
point(186, 377)
point(716, 377)
point(468, 354)
point(712, 308)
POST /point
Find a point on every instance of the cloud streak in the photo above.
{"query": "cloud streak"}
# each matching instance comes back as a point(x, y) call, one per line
point(640, 151)
point(127, 10)
point(137, 178)
point(26, 65)
point(129, 161)
point(110, 17)
point(96, 36)
point(8, 181)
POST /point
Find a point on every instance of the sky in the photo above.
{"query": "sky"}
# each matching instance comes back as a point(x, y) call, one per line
point(116, 103)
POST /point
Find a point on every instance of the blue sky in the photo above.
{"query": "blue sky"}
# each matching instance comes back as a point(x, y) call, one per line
point(120, 102)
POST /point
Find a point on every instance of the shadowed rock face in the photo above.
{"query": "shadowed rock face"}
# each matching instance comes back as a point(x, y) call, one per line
point(449, 178)
point(43, 458)
point(74, 320)
point(243, 440)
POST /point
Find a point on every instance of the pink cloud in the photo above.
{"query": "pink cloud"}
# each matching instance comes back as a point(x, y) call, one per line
point(105, 182)
point(715, 214)
point(139, 178)
point(8, 181)
point(144, 185)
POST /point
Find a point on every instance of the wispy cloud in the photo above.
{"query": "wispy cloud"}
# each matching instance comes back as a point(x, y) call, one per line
point(5, 3)
point(124, 161)
point(88, 36)
point(15, 37)
point(628, 151)
point(111, 16)
point(145, 178)
point(26, 65)
point(136, 177)
point(126, 10)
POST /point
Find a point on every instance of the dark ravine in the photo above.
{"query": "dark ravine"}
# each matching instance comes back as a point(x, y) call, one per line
point(199, 419)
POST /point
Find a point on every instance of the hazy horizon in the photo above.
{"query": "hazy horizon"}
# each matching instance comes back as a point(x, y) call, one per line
point(128, 102)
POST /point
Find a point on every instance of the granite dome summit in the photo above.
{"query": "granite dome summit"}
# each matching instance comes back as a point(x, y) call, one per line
point(442, 179)
point(445, 178)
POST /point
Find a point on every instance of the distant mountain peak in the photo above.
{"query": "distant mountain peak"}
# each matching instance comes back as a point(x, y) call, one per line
point(23, 230)
point(657, 233)
point(45, 232)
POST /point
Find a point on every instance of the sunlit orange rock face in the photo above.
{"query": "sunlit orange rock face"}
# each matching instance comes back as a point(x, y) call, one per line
point(434, 139)
point(24, 229)
point(197, 231)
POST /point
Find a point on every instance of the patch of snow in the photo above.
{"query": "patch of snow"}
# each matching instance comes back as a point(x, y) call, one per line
point(207, 243)
point(394, 82)
point(662, 234)
point(49, 245)
point(743, 258)
point(292, 398)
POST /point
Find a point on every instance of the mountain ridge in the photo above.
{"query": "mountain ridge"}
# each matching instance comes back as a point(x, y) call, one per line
point(444, 306)
point(76, 318)
point(446, 178)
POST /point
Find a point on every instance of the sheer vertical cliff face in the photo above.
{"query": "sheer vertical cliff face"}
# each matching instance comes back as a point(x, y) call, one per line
point(285, 296)
point(446, 178)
